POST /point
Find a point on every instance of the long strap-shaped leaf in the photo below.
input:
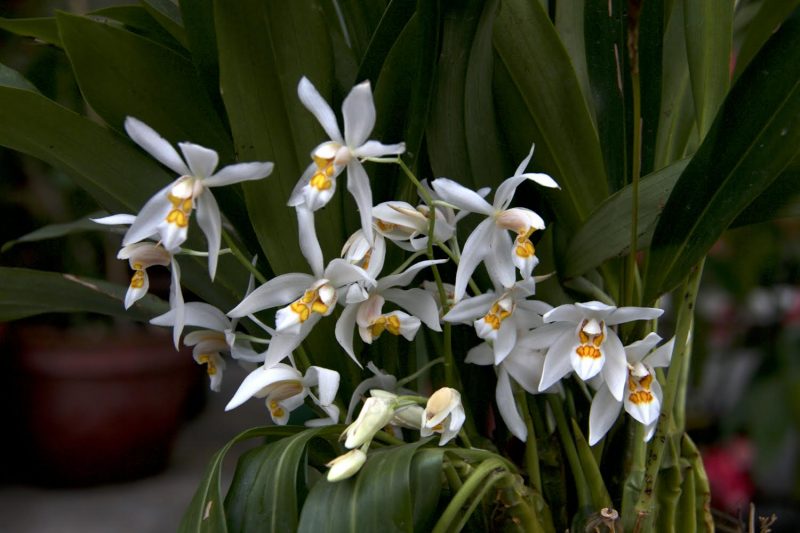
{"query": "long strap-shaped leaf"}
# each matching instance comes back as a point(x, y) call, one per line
point(206, 512)
point(380, 497)
point(755, 136)
point(540, 68)
point(25, 292)
point(263, 52)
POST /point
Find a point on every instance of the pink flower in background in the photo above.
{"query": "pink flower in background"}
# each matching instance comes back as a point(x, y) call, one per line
point(728, 468)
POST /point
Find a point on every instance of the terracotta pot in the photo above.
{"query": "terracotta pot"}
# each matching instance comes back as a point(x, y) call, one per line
point(101, 408)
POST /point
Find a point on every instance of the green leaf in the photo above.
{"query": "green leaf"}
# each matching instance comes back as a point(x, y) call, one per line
point(779, 200)
point(446, 134)
point(54, 231)
point(770, 15)
point(392, 22)
point(198, 17)
point(594, 479)
point(405, 86)
point(168, 14)
point(608, 67)
point(607, 231)
point(116, 174)
point(651, 42)
point(25, 292)
point(379, 497)
point(42, 28)
point(542, 74)
point(206, 512)
point(13, 79)
point(123, 74)
point(570, 27)
point(676, 120)
point(709, 33)
point(747, 147)
point(262, 55)
point(264, 491)
point(139, 21)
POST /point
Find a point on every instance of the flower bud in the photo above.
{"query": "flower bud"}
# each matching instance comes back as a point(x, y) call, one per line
point(374, 415)
point(346, 465)
point(443, 414)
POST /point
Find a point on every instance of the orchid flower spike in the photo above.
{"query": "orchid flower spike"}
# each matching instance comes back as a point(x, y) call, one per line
point(167, 213)
point(318, 183)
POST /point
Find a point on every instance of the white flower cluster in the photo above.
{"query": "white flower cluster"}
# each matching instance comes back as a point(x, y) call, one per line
point(525, 340)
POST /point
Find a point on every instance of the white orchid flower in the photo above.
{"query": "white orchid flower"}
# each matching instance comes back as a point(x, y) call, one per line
point(318, 183)
point(449, 293)
point(581, 339)
point(215, 337)
point(489, 242)
point(141, 256)
point(408, 226)
point(523, 365)
point(643, 396)
point(498, 318)
point(309, 298)
point(167, 213)
point(368, 255)
point(372, 321)
point(443, 414)
point(285, 389)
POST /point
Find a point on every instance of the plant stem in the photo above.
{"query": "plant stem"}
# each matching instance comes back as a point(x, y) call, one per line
point(531, 449)
point(472, 484)
point(242, 259)
point(416, 374)
point(584, 498)
point(683, 336)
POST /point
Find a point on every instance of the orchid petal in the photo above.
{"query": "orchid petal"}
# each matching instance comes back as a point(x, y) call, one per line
point(378, 149)
point(481, 354)
point(311, 98)
point(602, 415)
point(557, 361)
point(309, 243)
point(115, 220)
point(662, 355)
point(282, 344)
point(418, 302)
point(636, 351)
point(461, 197)
point(407, 276)
point(133, 294)
point(199, 314)
point(344, 330)
point(209, 220)
point(202, 161)
point(155, 145)
point(615, 369)
point(544, 337)
point(524, 163)
point(358, 185)
point(629, 314)
point(326, 380)
point(260, 378)
point(564, 313)
point(506, 339)
point(501, 271)
point(508, 407)
point(341, 273)
point(470, 309)
point(545, 180)
point(358, 109)
point(475, 250)
point(278, 291)
point(505, 192)
point(152, 214)
point(238, 173)
point(176, 302)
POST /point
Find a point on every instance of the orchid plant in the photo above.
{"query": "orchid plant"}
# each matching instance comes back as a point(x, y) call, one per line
point(530, 185)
